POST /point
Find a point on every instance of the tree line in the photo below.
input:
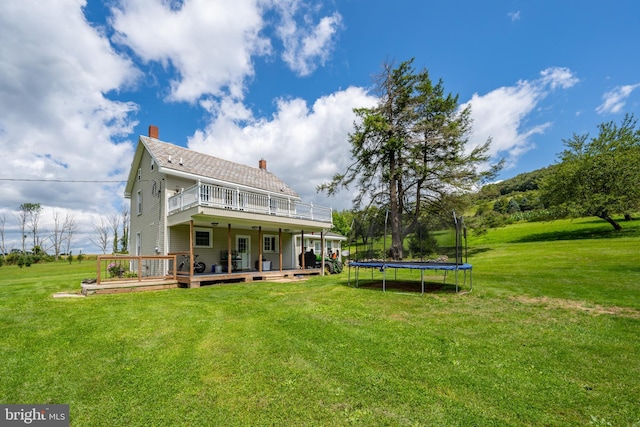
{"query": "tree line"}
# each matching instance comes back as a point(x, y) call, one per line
point(108, 233)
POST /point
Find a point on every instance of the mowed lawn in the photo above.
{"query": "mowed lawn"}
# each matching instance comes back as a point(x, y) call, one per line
point(549, 336)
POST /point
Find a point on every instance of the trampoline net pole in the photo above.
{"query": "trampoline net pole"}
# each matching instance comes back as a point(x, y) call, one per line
point(384, 279)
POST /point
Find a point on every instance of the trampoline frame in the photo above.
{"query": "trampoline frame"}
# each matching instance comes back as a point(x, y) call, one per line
point(414, 265)
point(460, 235)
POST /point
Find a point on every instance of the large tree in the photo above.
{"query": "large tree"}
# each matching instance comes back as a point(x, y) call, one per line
point(63, 229)
point(124, 240)
point(101, 237)
point(31, 212)
point(597, 176)
point(114, 223)
point(410, 151)
point(3, 248)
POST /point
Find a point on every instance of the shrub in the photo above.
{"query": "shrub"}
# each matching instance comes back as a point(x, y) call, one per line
point(12, 258)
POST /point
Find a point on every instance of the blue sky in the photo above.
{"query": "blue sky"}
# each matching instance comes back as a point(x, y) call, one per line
point(278, 79)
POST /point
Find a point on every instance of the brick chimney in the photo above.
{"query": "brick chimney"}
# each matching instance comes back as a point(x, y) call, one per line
point(262, 164)
point(153, 131)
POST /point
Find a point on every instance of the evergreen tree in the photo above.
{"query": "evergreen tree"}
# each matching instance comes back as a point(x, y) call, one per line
point(409, 151)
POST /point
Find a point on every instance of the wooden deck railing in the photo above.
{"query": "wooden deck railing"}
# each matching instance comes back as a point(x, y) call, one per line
point(112, 268)
point(182, 263)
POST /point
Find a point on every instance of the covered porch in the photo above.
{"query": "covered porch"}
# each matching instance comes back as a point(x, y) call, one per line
point(238, 246)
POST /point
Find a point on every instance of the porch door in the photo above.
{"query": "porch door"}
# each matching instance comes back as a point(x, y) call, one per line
point(243, 247)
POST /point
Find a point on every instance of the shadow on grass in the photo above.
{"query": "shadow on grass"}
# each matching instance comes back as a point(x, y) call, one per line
point(581, 234)
point(407, 286)
point(478, 250)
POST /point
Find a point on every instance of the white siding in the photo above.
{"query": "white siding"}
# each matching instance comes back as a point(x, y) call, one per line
point(149, 223)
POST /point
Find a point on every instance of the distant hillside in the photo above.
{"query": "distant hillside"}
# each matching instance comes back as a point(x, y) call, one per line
point(512, 200)
point(528, 181)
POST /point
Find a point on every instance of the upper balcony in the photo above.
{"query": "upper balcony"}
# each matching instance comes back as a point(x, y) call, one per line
point(216, 196)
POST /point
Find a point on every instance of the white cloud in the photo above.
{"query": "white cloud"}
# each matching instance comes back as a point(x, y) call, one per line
point(615, 100)
point(306, 45)
point(55, 121)
point(303, 145)
point(502, 113)
point(515, 16)
point(556, 77)
point(209, 43)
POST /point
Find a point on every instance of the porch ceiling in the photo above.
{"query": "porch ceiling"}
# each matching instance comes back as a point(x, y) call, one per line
point(207, 217)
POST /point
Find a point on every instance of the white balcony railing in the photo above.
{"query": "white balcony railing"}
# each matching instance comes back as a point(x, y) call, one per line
point(247, 201)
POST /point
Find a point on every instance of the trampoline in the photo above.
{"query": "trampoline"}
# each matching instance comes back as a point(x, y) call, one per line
point(383, 266)
point(456, 251)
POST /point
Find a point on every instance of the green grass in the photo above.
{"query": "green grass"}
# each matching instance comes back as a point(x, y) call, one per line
point(549, 336)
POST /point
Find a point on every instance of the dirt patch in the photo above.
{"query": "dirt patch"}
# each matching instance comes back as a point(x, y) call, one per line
point(68, 295)
point(568, 304)
point(288, 279)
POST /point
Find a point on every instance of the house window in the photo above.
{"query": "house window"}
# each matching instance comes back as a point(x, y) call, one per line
point(139, 174)
point(138, 244)
point(153, 165)
point(270, 244)
point(139, 200)
point(202, 238)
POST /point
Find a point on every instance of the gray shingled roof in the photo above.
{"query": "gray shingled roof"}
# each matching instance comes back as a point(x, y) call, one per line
point(212, 167)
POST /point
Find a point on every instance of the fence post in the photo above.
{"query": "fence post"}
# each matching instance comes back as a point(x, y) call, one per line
point(98, 275)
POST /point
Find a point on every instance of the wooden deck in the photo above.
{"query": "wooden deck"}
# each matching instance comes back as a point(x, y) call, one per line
point(204, 279)
point(120, 286)
point(184, 281)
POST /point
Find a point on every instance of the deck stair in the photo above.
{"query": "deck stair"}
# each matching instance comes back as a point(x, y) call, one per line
point(127, 286)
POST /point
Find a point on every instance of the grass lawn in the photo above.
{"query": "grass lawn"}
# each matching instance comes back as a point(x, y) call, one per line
point(549, 336)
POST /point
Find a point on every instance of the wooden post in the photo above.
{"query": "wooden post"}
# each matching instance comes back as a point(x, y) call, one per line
point(260, 249)
point(322, 251)
point(190, 249)
point(191, 284)
point(280, 246)
point(98, 275)
point(303, 248)
point(229, 252)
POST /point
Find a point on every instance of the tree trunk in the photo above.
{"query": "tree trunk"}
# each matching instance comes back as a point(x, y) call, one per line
point(611, 221)
point(396, 237)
